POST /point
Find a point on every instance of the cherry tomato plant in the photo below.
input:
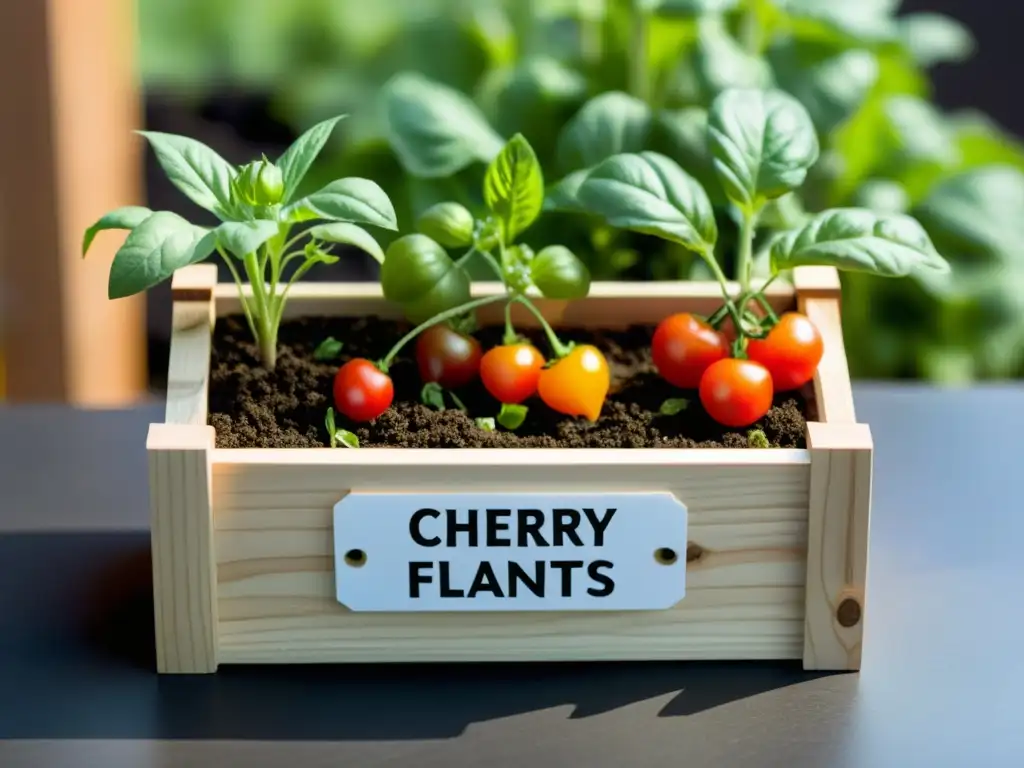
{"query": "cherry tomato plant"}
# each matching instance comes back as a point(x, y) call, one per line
point(258, 211)
point(434, 291)
point(763, 143)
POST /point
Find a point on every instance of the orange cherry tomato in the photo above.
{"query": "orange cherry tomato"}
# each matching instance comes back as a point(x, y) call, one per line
point(736, 393)
point(577, 384)
point(791, 351)
point(683, 347)
point(510, 372)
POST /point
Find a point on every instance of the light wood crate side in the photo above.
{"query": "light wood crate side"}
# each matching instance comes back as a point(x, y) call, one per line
point(185, 604)
point(837, 551)
point(609, 304)
point(188, 371)
point(275, 560)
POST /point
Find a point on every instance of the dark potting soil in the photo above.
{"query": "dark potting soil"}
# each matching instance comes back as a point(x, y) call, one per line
point(253, 408)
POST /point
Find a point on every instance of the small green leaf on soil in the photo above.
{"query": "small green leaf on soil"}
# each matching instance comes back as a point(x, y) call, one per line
point(512, 416)
point(486, 424)
point(328, 349)
point(674, 405)
point(432, 395)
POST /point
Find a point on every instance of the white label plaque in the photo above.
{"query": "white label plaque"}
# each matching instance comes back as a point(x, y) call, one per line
point(510, 551)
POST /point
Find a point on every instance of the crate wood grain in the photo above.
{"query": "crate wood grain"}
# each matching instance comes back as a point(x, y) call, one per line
point(243, 542)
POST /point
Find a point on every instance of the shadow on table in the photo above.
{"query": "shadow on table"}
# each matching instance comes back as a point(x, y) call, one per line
point(76, 658)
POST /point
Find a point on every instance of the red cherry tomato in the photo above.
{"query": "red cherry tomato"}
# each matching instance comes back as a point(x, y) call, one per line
point(791, 352)
point(736, 393)
point(683, 347)
point(362, 391)
point(511, 372)
point(447, 356)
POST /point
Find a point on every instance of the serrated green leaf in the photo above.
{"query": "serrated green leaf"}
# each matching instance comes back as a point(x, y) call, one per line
point(354, 200)
point(890, 245)
point(558, 274)
point(198, 171)
point(650, 193)
point(514, 187)
point(933, 38)
point(297, 159)
point(151, 253)
point(607, 125)
point(420, 276)
point(763, 143)
point(435, 130)
point(128, 217)
point(242, 237)
point(349, 234)
point(511, 417)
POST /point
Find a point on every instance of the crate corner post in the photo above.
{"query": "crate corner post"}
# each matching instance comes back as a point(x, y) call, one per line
point(184, 578)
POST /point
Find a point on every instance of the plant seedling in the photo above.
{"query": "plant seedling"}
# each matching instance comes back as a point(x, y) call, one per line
point(432, 288)
point(337, 437)
point(258, 210)
point(763, 143)
point(328, 349)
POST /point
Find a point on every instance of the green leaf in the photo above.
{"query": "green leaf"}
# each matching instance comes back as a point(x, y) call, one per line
point(562, 196)
point(151, 253)
point(763, 143)
point(883, 196)
point(831, 86)
point(511, 417)
point(346, 438)
point(977, 214)
point(867, 21)
point(918, 132)
point(331, 429)
point(933, 38)
point(649, 193)
point(328, 349)
point(559, 274)
point(432, 395)
point(607, 125)
point(485, 423)
point(203, 175)
point(450, 224)
point(358, 201)
point(420, 276)
point(435, 130)
point(349, 234)
point(242, 237)
point(696, 7)
point(673, 406)
point(514, 187)
point(298, 158)
point(128, 217)
point(719, 62)
point(886, 244)
point(682, 136)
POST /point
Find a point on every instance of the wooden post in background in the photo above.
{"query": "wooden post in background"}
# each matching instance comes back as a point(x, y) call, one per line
point(67, 155)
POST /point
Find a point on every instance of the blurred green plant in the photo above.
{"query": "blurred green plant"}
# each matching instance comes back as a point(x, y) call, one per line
point(586, 79)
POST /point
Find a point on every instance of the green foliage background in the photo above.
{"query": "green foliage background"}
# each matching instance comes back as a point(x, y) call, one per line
point(530, 66)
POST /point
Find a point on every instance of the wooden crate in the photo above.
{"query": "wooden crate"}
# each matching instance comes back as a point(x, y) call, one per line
point(243, 560)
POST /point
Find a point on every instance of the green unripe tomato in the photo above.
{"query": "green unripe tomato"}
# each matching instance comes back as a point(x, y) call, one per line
point(420, 276)
point(450, 224)
point(559, 274)
point(259, 183)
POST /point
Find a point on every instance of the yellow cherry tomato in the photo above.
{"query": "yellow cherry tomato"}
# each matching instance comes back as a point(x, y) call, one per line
point(577, 384)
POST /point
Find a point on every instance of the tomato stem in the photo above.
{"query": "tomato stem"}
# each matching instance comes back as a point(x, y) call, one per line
point(448, 314)
point(510, 332)
point(557, 346)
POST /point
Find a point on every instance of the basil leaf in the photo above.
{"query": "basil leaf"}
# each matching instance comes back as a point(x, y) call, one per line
point(152, 252)
point(887, 244)
point(977, 214)
point(298, 158)
point(203, 175)
point(328, 349)
point(918, 132)
point(831, 87)
point(933, 38)
point(349, 234)
point(868, 21)
point(346, 438)
point(562, 196)
point(649, 193)
point(242, 237)
point(432, 395)
point(420, 276)
point(606, 125)
point(511, 417)
point(558, 274)
point(359, 201)
point(435, 130)
point(762, 142)
point(128, 217)
point(719, 62)
point(514, 187)
point(682, 136)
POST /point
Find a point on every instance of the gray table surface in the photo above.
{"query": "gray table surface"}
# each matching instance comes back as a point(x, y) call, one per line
point(941, 684)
